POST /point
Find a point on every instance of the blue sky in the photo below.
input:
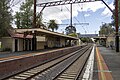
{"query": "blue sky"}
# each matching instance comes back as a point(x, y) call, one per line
point(95, 20)
point(93, 13)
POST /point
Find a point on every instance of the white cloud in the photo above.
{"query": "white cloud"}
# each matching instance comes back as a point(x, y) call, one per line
point(86, 15)
point(56, 13)
point(107, 12)
point(93, 6)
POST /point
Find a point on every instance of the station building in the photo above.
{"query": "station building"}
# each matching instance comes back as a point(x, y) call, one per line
point(101, 40)
point(110, 41)
point(35, 39)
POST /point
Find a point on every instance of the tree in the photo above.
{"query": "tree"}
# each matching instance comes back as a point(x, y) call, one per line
point(86, 39)
point(24, 18)
point(39, 23)
point(18, 20)
point(70, 29)
point(5, 17)
point(106, 29)
point(52, 25)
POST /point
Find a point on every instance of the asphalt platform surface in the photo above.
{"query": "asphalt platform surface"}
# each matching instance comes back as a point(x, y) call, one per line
point(112, 60)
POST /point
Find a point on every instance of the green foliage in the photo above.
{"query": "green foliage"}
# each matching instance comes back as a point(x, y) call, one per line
point(18, 19)
point(70, 29)
point(52, 25)
point(5, 17)
point(39, 23)
point(88, 40)
point(24, 18)
point(106, 29)
point(73, 34)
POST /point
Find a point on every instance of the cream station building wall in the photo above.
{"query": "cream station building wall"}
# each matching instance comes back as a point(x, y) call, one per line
point(9, 43)
point(40, 42)
point(62, 42)
point(6, 43)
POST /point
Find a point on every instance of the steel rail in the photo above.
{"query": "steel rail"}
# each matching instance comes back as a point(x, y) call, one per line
point(52, 62)
point(55, 66)
point(71, 73)
point(81, 70)
point(54, 71)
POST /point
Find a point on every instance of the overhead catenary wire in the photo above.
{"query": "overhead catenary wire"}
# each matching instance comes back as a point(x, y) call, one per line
point(62, 13)
point(66, 17)
point(84, 17)
point(54, 7)
point(76, 19)
point(83, 14)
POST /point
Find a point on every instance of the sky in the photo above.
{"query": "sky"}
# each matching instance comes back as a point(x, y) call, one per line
point(94, 13)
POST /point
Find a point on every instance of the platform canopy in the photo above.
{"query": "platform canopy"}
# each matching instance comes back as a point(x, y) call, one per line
point(41, 32)
point(89, 35)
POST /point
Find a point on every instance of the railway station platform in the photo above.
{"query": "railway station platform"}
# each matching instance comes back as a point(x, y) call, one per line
point(106, 64)
point(20, 53)
point(20, 61)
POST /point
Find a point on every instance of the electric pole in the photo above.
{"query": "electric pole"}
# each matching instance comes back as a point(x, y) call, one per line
point(34, 39)
point(116, 25)
point(71, 15)
point(34, 17)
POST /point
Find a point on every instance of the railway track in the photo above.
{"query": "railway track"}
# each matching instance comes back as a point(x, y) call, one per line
point(74, 71)
point(58, 68)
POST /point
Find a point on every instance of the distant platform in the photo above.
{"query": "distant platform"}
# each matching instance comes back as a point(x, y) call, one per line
point(89, 35)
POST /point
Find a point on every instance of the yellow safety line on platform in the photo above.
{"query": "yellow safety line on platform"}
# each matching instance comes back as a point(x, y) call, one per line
point(100, 65)
point(104, 73)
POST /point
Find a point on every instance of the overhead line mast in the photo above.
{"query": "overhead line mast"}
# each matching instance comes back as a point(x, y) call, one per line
point(116, 25)
point(71, 15)
point(56, 3)
point(34, 16)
